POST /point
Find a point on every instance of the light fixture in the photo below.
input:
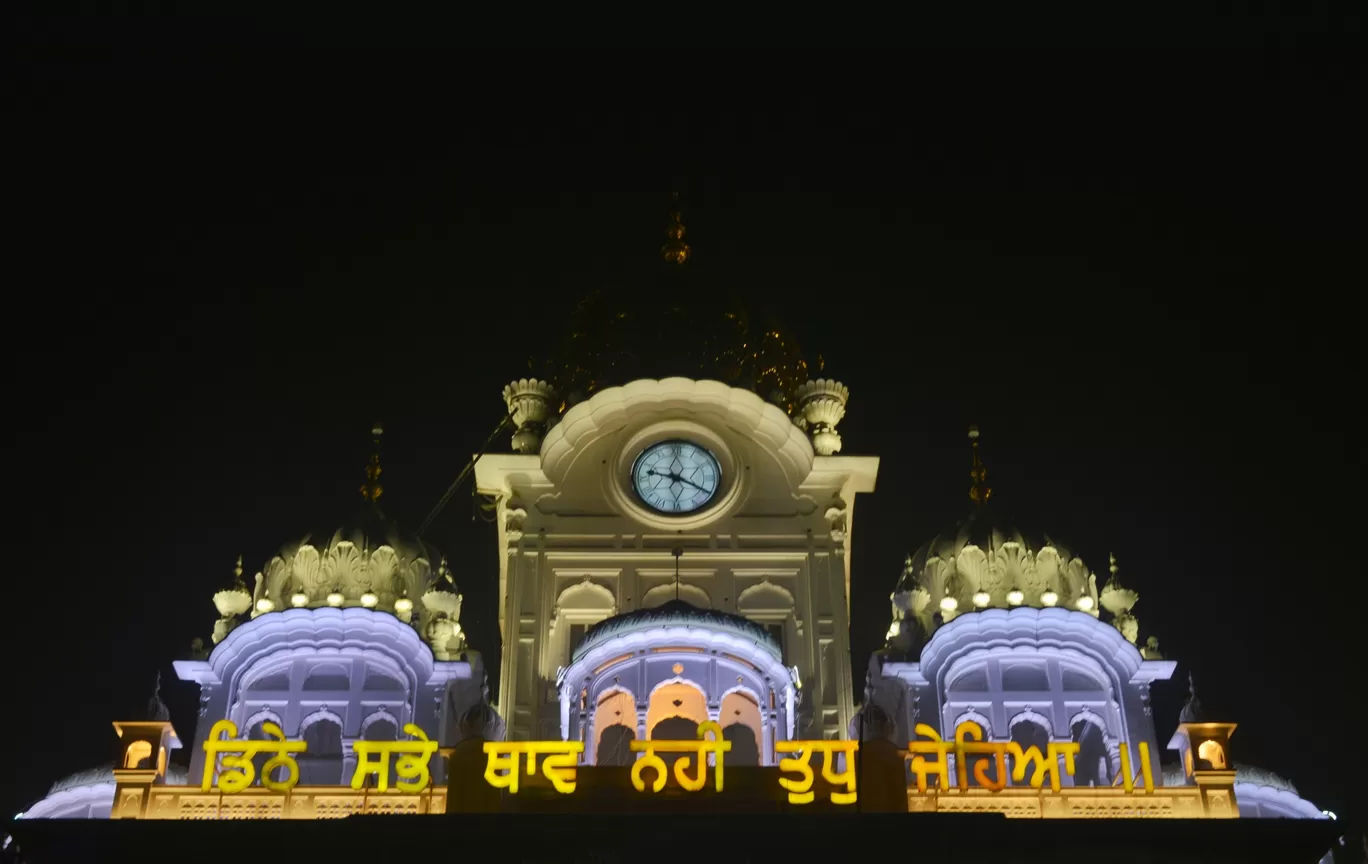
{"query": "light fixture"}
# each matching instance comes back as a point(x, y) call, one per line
point(335, 598)
point(299, 599)
point(1048, 597)
point(1015, 597)
point(369, 599)
point(1085, 603)
point(949, 604)
point(982, 598)
point(403, 605)
point(264, 605)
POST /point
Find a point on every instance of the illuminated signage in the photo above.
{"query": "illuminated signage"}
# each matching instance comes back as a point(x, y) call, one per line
point(929, 756)
point(558, 766)
point(969, 741)
point(373, 757)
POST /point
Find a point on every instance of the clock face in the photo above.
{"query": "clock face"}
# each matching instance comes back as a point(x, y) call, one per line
point(676, 477)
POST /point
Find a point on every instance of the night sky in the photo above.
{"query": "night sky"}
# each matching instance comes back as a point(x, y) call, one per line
point(1130, 251)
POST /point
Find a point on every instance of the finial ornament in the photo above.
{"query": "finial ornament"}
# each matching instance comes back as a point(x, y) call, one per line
point(821, 405)
point(675, 250)
point(157, 711)
point(980, 492)
point(1119, 600)
point(1192, 709)
point(529, 404)
point(371, 490)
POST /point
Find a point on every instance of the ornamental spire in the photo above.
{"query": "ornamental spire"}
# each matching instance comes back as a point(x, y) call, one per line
point(980, 492)
point(675, 250)
point(371, 490)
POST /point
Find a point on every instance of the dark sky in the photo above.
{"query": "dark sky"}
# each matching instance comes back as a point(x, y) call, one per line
point(1130, 250)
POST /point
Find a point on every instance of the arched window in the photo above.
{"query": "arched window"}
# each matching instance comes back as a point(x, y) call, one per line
point(328, 676)
point(381, 726)
point(740, 720)
point(614, 728)
point(138, 753)
point(1211, 755)
point(1092, 767)
point(321, 764)
point(1028, 730)
point(972, 759)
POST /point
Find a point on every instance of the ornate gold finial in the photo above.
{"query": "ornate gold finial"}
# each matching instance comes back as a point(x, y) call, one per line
point(980, 492)
point(371, 490)
point(675, 250)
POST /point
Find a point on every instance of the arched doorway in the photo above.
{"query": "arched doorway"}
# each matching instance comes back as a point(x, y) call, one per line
point(614, 728)
point(742, 726)
point(674, 712)
point(321, 764)
point(1092, 765)
point(1028, 730)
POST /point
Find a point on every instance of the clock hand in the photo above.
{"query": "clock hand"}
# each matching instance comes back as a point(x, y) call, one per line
point(691, 483)
point(677, 477)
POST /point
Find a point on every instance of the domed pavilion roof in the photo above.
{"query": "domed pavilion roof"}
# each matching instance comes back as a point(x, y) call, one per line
point(985, 561)
point(675, 613)
point(675, 318)
point(986, 528)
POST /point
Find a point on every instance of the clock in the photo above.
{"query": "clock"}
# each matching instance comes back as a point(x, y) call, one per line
point(676, 477)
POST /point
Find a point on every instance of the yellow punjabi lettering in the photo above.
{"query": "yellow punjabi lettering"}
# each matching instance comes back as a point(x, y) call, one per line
point(411, 766)
point(1146, 772)
point(1044, 764)
point(700, 748)
point(800, 790)
point(238, 771)
point(921, 767)
point(502, 756)
point(559, 762)
point(969, 740)
point(846, 777)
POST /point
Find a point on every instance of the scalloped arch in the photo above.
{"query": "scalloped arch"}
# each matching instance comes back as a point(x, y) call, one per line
point(662, 594)
point(739, 410)
point(766, 595)
point(586, 594)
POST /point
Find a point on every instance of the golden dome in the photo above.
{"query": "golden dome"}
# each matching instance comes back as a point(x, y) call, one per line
point(616, 336)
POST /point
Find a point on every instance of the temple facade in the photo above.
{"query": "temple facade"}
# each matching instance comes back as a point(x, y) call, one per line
point(676, 552)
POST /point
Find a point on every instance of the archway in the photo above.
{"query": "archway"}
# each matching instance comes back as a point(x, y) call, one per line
point(321, 764)
point(742, 726)
point(1092, 768)
point(674, 712)
point(1028, 730)
point(1211, 755)
point(614, 728)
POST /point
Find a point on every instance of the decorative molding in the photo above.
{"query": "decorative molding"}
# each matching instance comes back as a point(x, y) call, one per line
point(662, 594)
point(766, 596)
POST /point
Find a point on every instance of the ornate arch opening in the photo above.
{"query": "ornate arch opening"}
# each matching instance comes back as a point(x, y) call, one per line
point(322, 762)
point(138, 755)
point(1028, 729)
point(256, 732)
point(674, 712)
point(1093, 762)
point(614, 728)
point(742, 725)
point(1211, 755)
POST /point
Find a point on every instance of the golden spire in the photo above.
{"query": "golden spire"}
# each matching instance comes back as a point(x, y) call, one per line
point(675, 250)
point(371, 490)
point(980, 492)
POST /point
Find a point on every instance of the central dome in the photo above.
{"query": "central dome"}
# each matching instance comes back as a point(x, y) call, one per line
point(672, 317)
point(676, 612)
